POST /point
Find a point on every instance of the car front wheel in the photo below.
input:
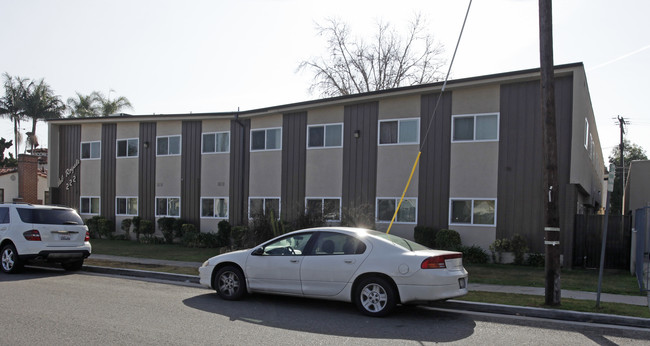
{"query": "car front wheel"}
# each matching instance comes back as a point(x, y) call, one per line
point(375, 297)
point(230, 283)
point(10, 262)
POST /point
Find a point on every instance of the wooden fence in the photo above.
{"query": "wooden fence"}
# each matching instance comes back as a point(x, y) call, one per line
point(588, 238)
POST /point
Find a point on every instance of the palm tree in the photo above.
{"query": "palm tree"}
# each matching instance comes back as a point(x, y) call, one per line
point(109, 106)
point(40, 103)
point(11, 104)
point(84, 105)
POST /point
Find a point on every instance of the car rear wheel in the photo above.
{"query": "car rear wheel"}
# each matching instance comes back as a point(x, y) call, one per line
point(10, 262)
point(230, 283)
point(375, 296)
point(72, 266)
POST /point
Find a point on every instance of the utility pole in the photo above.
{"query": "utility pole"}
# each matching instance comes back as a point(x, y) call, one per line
point(552, 222)
point(621, 124)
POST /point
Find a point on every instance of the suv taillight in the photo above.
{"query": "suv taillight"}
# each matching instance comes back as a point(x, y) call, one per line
point(438, 262)
point(87, 238)
point(32, 235)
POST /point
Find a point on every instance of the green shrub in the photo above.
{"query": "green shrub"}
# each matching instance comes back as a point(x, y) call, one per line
point(519, 248)
point(136, 227)
point(535, 260)
point(447, 239)
point(105, 227)
point(147, 228)
point(178, 227)
point(474, 254)
point(425, 235)
point(240, 237)
point(126, 227)
point(223, 233)
point(92, 227)
point(166, 226)
point(498, 248)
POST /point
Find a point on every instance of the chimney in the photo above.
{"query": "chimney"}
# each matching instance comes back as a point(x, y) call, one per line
point(28, 179)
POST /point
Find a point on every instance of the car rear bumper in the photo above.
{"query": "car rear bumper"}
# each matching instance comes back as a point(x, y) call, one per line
point(57, 255)
point(429, 293)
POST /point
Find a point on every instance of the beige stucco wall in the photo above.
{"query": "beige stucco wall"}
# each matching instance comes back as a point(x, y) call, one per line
point(9, 182)
point(168, 168)
point(126, 168)
point(400, 107)
point(483, 99)
point(324, 166)
point(638, 189)
point(266, 166)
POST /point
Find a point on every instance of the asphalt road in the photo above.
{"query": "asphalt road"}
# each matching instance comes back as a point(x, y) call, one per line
point(53, 307)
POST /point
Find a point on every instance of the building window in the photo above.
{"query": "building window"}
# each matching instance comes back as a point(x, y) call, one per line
point(127, 206)
point(386, 209)
point(325, 136)
point(127, 147)
point(475, 127)
point(2, 195)
point(91, 150)
point(399, 131)
point(89, 205)
point(217, 142)
point(168, 206)
point(168, 145)
point(327, 208)
point(266, 139)
point(586, 134)
point(480, 212)
point(263, 206)
point(214, 207)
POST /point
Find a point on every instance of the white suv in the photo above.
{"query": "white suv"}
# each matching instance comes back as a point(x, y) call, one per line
point(42, 233)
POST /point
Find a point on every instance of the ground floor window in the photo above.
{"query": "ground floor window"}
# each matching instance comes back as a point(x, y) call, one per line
point(386, 209)
point(216, 207)
point(126, 206)
point(472, 211)
point(263, 206)
point(168, 206)
point(89, 205)
point(327, 208)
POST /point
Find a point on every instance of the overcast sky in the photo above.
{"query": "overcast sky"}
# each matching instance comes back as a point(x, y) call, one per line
point(170, 56)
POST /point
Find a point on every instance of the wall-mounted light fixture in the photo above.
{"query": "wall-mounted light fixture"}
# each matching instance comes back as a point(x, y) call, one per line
point(357, 134)
point(146, 145)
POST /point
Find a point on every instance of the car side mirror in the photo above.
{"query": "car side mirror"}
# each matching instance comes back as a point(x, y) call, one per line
point(258, 252)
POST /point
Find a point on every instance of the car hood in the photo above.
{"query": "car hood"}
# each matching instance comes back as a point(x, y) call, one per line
point(238, 256)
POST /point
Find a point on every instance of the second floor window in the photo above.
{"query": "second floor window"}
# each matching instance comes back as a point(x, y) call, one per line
point(169, 145)
point(127, 147)
point(475, 127)
point(91, 150)
point(266, 139)
point(218, 142)
point(399, 131)
point(325, 136)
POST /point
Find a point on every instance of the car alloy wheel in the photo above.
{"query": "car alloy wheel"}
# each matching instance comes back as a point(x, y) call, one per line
point(375, 297)
point(230, 283)
point(10, 262)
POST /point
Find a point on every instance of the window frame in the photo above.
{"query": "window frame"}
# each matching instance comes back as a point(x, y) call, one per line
point(325, 146)
point(127, 198)
point(586, 142)
point(180, 145)
point(399, 125)
point(266, 130)
point(215, 134)
point(90, 205)
point(90, 143)
point(167, 207)
point(474, 117)
point(264, 205)
point(322, 206)
point(117, 148)
point(472, 201)
point(214, 199)
point(396, 200)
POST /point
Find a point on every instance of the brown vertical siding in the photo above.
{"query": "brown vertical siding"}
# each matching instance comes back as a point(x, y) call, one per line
point(147, 170)
point(520, 196)
point(191, 172)
point(360, 155)
point(107, 189)
point(68, 191)
point(239, 170)
point(294, 156)
point(433, 183)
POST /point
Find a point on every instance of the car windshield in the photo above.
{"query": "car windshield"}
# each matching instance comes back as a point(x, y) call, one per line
point(405, 243)
point(49, 216)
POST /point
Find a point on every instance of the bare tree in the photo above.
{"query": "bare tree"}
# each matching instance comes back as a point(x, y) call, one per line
point(390, 60)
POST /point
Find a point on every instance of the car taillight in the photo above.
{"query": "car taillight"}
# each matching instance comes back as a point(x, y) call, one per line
point(87, 238)
point(32, 235)
point(438, 262)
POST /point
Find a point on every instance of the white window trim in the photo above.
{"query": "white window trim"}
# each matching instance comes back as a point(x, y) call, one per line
point(167, 215)
point(180, 145)
point(117, 155)
point(215, 152)
point(264, 205)
point(214, 199)
point(453, 124)
point(322, 199)
point(586, 133)
point(472, 199)
point(91, 144)
point(396, 204)
point(399, 124)
point(127, 198)
point(325, 136)
point(266, 129)
point(90, 197)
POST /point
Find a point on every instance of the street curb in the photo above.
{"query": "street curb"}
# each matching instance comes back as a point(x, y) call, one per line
point(511, 310)
point(575, 316)
point(142, 274)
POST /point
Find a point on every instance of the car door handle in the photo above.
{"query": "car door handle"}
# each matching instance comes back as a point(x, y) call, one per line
point(348, 261)
point(294, 260)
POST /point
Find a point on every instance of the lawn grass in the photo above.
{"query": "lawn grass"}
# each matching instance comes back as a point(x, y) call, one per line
point(173, 252)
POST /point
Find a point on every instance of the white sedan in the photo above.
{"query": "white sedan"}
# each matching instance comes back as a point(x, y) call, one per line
point(374, 270)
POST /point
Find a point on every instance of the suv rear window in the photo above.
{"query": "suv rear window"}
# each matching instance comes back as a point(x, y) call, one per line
point(50, 216)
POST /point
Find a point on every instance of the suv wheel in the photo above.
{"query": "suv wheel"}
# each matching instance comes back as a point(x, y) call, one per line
point(10, 262)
